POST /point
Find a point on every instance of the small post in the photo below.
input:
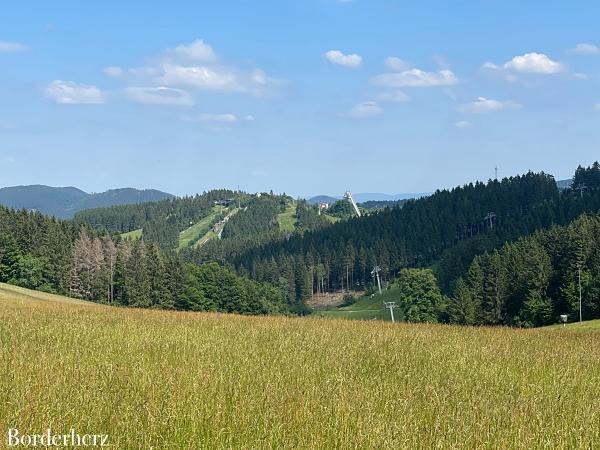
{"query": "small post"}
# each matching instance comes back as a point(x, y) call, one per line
point(563, 319)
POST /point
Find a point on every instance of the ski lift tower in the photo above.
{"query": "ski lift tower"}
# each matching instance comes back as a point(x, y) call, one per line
point(391, 306)
point(375, 272)
point(348, 196)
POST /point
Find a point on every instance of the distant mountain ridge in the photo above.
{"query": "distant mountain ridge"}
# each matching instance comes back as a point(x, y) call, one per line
point(378, 196)
point(564, 184)
point(362, 197)
point(64, 202)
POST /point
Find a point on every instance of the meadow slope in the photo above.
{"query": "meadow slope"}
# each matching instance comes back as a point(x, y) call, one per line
point(155, 379)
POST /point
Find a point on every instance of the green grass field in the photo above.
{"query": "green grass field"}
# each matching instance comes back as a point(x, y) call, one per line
point(200, 228)
point(586, 325)
point(367, 308)
point(287, 219)
point(155, 379)
point(135, 234)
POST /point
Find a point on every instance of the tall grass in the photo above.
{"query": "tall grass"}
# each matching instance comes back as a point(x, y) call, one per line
point(153, 379)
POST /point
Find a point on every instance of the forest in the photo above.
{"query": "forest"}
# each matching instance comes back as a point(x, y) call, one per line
point(160, 221)
point(63, 257)
point(467, 241)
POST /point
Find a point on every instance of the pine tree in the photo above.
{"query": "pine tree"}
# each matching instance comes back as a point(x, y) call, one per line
point(463, 308)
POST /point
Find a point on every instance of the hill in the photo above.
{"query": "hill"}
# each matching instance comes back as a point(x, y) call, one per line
point(564, 184)
point(322, 199)
point(172, 223)
point(190, 222)
point(376, 197)
point(64, 202)
point(444, 231)
point(362, 197)
point(152, 379)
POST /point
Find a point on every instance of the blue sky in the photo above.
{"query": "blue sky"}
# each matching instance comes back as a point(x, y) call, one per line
point(304, 97)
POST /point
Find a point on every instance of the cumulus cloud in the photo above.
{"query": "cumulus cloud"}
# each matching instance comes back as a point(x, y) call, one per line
point(586, 49)
point(365, 109)
point(534, 63)
point(462, 124)
point(397, 64)
point(160, 95)
point(193, 66)
point(202, 77)
point(416, 78)
point(113, 71)
point(393, 96)
point(485, 105)
point(490, 66)
point(337, 57)
point(197, 50)
point(12, 47)
point(69, 92)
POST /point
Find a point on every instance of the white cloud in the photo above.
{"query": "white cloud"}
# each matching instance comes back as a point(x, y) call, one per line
point(534, 63)
point(462, 124)
point(484, 105)
point(215, 118)
point(336, 57)
point(11, 159)
point(202, 77)
point(490, 66)
point(113, 71)
point(193, 66)
point(249, 118)
point(365, 109)
point(586, 49)
point(12, 47)
point(69, 92)
point(215, 78)
point(597, 106)
point(580, 76)
point(160, 95)
point(416, 78)
point(396, 64)
point(198, 50)
point(393, 96)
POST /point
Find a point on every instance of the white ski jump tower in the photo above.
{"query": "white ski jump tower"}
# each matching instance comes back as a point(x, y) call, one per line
point(348, 195)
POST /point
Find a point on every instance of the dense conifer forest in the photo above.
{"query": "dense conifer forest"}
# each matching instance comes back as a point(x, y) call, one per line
point(502, 252)
point(67, 258)
point(160, 222)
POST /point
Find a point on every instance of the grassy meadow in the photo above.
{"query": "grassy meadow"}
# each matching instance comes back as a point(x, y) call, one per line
point(199, 229)
point(154, 379)
point(367, 307)
point(287, 219)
